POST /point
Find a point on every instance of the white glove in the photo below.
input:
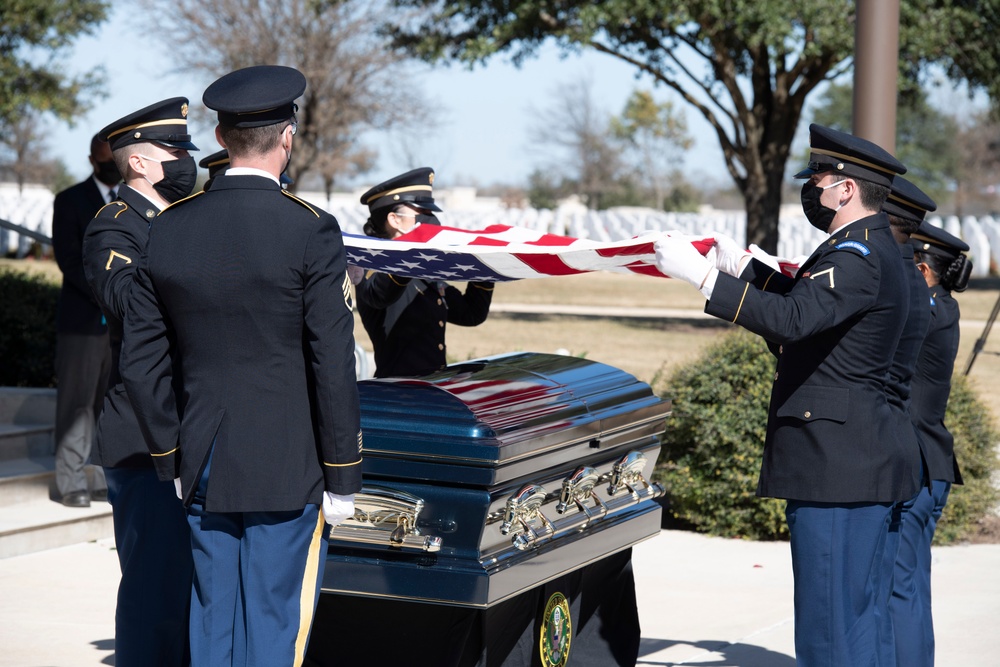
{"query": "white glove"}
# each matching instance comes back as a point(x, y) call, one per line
point(337, 508)
point(728, 256)
point(177, 488)
point(677, 258)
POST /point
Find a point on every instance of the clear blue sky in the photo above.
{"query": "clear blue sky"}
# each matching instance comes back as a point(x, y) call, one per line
point(482, 137)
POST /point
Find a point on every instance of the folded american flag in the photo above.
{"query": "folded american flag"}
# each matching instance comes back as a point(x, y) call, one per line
point(501, 252)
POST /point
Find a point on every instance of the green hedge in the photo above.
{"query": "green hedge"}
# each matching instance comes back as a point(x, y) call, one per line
point(27, 330)
point(712, 447)
point(976, 436)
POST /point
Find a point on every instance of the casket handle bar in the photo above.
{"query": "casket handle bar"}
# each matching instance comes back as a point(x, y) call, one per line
point(386, 517)
point(522, 516)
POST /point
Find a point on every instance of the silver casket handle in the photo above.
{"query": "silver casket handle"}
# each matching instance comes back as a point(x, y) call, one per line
point(386, 517)
point(523, 517)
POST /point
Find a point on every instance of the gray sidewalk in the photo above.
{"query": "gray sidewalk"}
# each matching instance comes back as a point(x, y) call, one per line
point(702, 601)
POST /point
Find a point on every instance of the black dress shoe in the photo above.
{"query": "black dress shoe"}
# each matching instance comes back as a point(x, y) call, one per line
point(100, 496)
point(76, 499)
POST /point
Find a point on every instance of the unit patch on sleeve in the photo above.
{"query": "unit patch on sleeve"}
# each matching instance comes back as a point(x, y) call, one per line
point(853, 245)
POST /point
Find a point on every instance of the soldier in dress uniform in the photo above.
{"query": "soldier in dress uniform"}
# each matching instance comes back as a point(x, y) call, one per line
point(150, 147)
point(405, 318)
point(218, 162)
point(239, 360)
point(940, 258)
point(905, 206)
point(831, 448)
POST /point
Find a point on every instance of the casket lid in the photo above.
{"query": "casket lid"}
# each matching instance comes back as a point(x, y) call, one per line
point(493, 411)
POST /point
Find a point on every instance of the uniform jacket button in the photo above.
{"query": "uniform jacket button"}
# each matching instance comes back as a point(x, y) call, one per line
point(775, 376)
point(807, 414)
point(440, 346)
point(439, 302)
point(440, 323)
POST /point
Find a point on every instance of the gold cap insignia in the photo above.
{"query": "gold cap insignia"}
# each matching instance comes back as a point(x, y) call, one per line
point(184, 109)
point(840, 166)
point(395, 197)
point(430, 179)
point(137, 135)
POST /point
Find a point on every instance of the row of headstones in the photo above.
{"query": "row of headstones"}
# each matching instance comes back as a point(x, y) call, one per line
point(33, 209)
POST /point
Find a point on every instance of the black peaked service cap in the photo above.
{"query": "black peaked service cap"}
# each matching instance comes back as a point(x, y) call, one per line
point(929, 238)
point(415, 187)
point(164, 123)
point(843, 153)
point(215, 163)
point(256, 96)
point(907, 201)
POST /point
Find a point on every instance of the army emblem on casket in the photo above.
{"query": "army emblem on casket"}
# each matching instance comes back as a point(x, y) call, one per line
point(557, 631)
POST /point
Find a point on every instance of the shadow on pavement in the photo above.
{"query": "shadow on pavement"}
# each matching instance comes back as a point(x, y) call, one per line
point(734, 655)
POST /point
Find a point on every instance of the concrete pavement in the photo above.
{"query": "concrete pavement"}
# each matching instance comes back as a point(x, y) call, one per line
point(702, 601)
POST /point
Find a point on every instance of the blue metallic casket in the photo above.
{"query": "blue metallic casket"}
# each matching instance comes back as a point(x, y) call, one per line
point(493, 476)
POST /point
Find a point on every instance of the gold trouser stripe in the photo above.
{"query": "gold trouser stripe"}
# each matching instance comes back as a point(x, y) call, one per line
point(742, 298)
point(764, 288)
point(165, 453)
point(307, 597)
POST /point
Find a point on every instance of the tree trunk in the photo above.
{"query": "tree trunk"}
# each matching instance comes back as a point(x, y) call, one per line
point(762, 198)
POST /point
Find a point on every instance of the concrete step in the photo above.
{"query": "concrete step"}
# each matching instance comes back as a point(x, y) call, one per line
point(31, 516)
point(27, 405)
point(19, 441)
point(43, 524)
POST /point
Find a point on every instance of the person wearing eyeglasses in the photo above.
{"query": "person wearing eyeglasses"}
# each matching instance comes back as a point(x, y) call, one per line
point(406, 318)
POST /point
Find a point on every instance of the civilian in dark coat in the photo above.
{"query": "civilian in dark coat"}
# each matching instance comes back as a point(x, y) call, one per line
point(83, 357)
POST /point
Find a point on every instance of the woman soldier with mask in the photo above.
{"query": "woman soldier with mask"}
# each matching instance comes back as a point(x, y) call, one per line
point(939, 257)
point(405, 318)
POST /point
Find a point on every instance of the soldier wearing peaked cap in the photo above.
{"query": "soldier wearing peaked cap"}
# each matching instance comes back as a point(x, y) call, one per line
point(832, 448)
point(945, 268)
point(218, 162)
point(150, 147)
point(405, 318)
point(239, 358)
point(905, 206)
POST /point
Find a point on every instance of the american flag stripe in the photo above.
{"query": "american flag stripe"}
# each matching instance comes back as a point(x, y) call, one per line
point(500, 253)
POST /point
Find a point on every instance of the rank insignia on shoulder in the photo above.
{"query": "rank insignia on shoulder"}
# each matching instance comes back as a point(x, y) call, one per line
point(853, 245)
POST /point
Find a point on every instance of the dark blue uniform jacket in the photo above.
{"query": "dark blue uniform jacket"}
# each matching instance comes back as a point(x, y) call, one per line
point(831, 434)
point(245, 287)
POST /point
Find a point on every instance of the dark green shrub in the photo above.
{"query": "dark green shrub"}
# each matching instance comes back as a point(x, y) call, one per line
point(976, 439)
point(712, 447)
point(711, 451)
point(27, 330)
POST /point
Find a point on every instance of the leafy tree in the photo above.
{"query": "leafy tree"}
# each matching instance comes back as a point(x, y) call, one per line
point(962, 41)
point(746, 65)
point(35, 36)
point(658, 134)
point(354, 77)
point(925, 137)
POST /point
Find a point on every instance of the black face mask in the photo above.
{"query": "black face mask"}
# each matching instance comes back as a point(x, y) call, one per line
point(819, 216)
point(107, 172)
point(427, 219)
point(178, 179)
